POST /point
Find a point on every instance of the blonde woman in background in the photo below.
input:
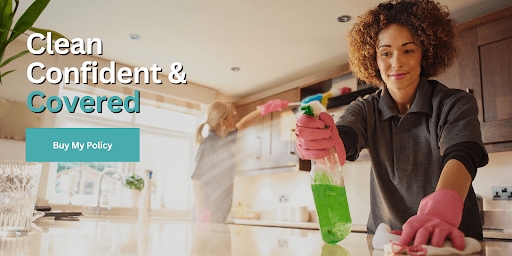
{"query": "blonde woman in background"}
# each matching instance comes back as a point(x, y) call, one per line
point(214, 174)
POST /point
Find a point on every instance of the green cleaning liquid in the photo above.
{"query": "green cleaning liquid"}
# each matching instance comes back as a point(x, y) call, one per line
point(332, 209)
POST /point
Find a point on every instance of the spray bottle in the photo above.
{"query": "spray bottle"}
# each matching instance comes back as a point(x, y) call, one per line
point(328, 189)
point(145, 200)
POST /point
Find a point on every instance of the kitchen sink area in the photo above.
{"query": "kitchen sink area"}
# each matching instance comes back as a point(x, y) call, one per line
point(115, 212)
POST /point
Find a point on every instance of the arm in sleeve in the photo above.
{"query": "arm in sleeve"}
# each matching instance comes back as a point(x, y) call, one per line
point(469, 153)
point(349, 137)
point(352, 129)
point(460, 143)
point(459, 123)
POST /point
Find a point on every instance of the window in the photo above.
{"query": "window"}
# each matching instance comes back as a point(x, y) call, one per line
point(167, 136)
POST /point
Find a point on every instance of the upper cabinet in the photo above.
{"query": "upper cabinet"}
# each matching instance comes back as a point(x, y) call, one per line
point(253, 141)
point(268, 145)
point(282, 133)
point(484, 69)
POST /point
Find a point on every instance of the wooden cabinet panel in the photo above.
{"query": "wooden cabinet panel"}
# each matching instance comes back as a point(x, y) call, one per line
point(496, 66)
point(469, 67)
point(494, 31)
point(495, 52)
point(484, 68)
point(243, 110)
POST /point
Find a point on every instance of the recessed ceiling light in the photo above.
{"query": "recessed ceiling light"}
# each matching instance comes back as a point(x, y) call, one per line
point(235, 69)
point(344, 18)
point(134, 37)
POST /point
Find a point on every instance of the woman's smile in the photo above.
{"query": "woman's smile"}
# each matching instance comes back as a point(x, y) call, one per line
point(398, 76)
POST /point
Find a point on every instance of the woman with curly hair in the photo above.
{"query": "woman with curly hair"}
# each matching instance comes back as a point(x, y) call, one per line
point(423, 138)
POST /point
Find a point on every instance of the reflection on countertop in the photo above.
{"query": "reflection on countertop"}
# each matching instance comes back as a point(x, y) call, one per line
point(127, 236)
point(288, 224)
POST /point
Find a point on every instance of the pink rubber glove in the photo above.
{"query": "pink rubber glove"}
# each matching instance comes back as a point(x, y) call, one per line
point(439, 216)
point(272, 106)
point(314, 142)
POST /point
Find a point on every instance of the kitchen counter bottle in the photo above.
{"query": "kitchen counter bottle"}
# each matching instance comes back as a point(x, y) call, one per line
point(145, 200)
point(329, 191)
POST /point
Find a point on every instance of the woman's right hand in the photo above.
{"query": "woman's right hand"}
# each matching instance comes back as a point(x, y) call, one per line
point(313, 141)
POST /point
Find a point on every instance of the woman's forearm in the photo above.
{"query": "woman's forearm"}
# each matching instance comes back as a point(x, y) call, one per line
point(248, 120)
point(455, 176)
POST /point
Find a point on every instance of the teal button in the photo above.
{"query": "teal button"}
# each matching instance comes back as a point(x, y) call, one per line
point(82, 144)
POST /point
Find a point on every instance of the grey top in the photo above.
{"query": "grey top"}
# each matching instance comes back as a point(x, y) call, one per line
point(215, 168)
point(406, 151)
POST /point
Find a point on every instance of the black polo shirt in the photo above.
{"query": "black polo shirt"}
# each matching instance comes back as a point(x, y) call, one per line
point(407, 151)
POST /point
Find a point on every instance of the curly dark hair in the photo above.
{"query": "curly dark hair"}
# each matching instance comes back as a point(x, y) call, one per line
point(427, 21)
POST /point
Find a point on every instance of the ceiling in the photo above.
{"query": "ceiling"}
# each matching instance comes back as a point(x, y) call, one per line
point(272, 42)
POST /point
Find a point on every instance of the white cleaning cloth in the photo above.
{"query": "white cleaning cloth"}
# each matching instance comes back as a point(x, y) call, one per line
point(384, 240)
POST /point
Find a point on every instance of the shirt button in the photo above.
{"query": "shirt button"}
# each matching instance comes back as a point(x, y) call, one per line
point(402, 148)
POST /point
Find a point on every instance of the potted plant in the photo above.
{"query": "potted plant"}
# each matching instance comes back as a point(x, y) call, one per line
point(24, 23)
point(135, 183)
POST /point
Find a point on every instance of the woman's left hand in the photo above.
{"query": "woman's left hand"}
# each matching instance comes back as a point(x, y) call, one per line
point(438, 217)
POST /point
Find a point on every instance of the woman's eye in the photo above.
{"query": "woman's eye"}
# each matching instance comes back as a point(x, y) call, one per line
point(409, 51)
point(385, 54)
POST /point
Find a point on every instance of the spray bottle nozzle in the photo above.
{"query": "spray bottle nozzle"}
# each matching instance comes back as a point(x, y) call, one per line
point(308, 110)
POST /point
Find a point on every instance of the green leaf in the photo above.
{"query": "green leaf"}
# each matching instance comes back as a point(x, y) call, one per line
point(14, 57)
point(15, 7)
point(10, 71)
point(55, 35)
point(6, 16)
point(28, 18)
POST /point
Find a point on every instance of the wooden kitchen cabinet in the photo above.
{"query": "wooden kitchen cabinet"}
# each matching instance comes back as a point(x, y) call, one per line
point(270, 143)
point(484, 69)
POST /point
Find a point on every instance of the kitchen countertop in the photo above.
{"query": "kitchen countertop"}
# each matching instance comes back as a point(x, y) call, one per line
point(488, 233)
point(128, 236)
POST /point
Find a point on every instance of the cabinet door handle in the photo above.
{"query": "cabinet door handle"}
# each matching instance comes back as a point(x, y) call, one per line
point(258, 147)
point(292, 142)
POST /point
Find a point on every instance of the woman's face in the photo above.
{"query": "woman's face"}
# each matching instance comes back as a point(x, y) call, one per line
point(399, 58)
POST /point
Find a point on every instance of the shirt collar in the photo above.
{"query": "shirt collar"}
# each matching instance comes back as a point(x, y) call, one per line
point(422, 101)
point(213, 136)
